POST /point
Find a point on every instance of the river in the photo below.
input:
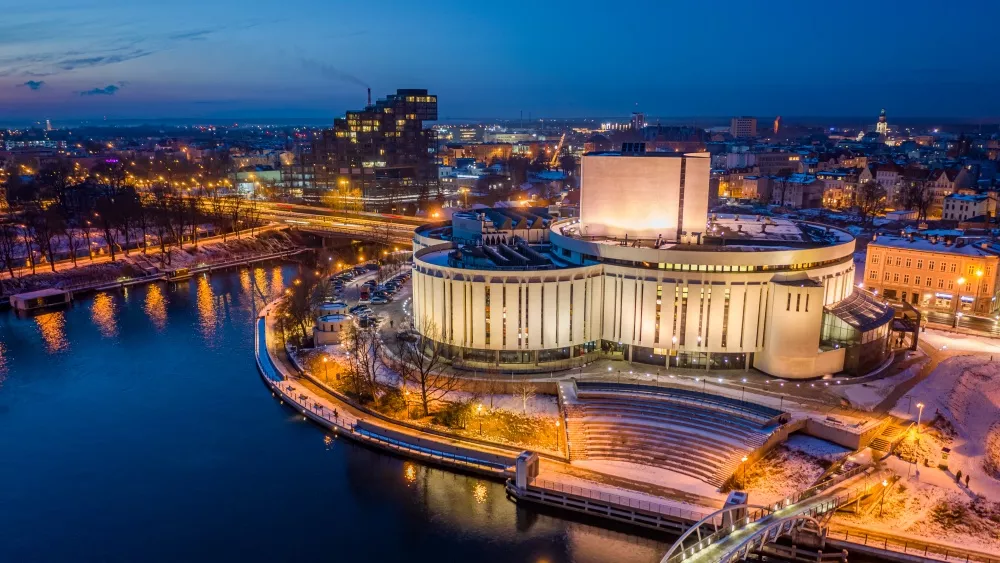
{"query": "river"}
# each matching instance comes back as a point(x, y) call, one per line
point(134, 427)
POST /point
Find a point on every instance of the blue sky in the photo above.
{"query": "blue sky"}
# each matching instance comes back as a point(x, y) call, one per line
point(312, 58)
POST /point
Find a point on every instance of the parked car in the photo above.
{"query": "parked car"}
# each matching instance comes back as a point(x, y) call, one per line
point(379, 300)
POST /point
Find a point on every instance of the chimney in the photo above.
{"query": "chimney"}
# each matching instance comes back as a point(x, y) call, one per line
point(369, 96)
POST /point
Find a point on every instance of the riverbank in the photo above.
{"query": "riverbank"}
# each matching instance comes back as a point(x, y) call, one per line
point(141, 267)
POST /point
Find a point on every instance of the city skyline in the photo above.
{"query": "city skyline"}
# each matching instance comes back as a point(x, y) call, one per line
point(224, 59)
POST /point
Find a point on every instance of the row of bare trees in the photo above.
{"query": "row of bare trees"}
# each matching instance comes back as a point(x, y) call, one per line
point(66, 213)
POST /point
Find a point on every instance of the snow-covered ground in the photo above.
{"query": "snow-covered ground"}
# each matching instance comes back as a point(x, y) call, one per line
point(866, 396)
point(788, 469)
point(965, 392)
point(960, 342)
point(654, 475)
point(815, 447)
point(928, 505)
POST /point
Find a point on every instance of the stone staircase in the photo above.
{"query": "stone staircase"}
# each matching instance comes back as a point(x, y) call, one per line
point(888, 437)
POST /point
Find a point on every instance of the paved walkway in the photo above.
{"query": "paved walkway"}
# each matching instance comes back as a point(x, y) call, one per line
point(309, 396)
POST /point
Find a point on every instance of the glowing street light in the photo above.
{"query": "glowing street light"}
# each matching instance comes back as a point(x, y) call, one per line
point(479, 414)
point(920, 414)
point(744, 464)
point(885, 485)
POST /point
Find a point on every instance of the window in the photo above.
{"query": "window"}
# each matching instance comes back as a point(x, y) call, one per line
point(899, 261)
point(943, 265)
point(971, 270)
point(906, 280)
point(930, 265)
point(920, 264)
point(951, 285)
point(886, 278)
point(788, 305)
point(953, 266)
point(875, 259)
point(895, 278)
point(941, 284)
point(928, 282)
point(873, 275)
point(916, 280)
point(907, 262)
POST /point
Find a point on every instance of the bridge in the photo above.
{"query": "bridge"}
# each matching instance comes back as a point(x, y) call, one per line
point(391, 229)
point(735, 532)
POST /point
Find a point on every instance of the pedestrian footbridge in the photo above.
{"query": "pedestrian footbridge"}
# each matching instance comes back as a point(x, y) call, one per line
point(735, 532)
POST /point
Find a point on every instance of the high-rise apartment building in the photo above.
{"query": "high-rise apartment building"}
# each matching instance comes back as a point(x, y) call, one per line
point(743, 127)
point(381, 157)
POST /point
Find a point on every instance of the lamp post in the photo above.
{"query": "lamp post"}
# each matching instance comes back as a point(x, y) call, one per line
point(744, 464)
point(881, 502)
point(920, 414)
point(958, 298)
point(326, 369)
point(979, 289)
point(479, 414)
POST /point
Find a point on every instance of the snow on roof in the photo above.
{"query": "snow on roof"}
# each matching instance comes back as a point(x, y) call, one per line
point(963, 248)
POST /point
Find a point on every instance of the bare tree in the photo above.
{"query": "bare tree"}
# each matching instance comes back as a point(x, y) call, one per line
point(364, 359)
point(524, 390)
point(870, 200)
point(9, 240)
point(234, 205)
point(916, 195)
point(418, 364)
point(781, 181)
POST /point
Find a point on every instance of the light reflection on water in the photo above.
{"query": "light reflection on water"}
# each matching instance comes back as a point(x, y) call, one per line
point(156, 306)
point(207, 316)
point(103, 313)
point(52, 327)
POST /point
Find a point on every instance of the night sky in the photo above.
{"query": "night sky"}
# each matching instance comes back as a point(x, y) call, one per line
point(65, 59)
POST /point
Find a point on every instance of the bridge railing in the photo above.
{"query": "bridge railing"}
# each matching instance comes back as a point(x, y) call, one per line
point(620, 500)
point(910, 547)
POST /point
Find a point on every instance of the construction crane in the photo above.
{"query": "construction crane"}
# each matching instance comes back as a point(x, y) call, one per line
point(555, 155)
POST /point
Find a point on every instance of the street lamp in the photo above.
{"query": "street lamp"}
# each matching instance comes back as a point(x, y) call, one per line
point(920, 414)
point(479, 414)
point(885, 485)
point(744, 464)
point(326, 369)
point(958, 299)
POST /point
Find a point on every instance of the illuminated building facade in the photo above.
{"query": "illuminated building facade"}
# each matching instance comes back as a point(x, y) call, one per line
point(381, 156)
point(521, 289)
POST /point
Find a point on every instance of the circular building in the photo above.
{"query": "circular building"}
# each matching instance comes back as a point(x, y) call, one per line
point(646, 275)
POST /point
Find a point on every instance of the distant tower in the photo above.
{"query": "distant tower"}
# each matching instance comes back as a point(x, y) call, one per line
point(638, 120)
point(882, 127)
point(48, 125)
point(777, 124)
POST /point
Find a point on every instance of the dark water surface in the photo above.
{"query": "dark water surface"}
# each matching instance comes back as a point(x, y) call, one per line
point(134, 427)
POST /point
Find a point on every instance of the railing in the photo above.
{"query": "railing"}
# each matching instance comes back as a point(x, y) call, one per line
point(347, 423)
point(431, 453)
point(910, 547)
point(618, 500)
point(679, 552)
point(719, 403)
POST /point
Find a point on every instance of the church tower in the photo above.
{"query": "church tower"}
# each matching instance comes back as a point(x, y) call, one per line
point(882, 127)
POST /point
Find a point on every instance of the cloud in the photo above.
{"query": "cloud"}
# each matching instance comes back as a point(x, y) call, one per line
point(113, 48)
point(109, 90)
point(32, 84)
point(329, 71)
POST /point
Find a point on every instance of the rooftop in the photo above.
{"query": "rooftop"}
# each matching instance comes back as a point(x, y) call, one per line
point(735, 233)
point(961, 247)
point(862, 311)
